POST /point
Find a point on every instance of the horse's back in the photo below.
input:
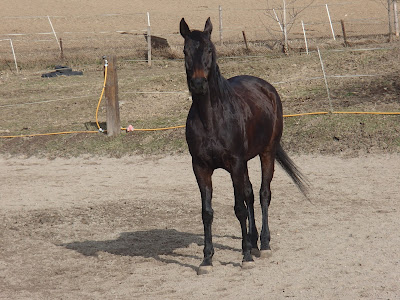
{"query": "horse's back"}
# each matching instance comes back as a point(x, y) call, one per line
point(255, 89)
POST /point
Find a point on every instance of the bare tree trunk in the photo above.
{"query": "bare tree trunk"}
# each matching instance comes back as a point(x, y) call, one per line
point(285, 18)
point(285, 45)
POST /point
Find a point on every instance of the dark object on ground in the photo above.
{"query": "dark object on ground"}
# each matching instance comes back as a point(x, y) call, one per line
point(158, 42)
point(62, 70)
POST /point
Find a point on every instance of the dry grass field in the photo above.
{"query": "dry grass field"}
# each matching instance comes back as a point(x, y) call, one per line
point(91, 29)
point(84, 216)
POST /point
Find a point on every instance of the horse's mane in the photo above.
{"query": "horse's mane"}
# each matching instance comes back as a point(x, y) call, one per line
point(221, 85)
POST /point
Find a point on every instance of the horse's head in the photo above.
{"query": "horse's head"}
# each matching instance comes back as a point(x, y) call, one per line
point(199, 56)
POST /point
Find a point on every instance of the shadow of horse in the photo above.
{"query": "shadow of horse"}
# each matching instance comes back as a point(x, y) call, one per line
point(149, 244)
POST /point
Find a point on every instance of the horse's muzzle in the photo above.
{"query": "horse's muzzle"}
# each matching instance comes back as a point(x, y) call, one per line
point(198, 85)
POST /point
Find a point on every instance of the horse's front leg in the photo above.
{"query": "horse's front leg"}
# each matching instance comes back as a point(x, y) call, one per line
point(203, 177)
point(240, 183)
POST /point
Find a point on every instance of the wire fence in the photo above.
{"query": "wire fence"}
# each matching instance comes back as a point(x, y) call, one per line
point(37, 38)
point(343, 92)
point(40, 38)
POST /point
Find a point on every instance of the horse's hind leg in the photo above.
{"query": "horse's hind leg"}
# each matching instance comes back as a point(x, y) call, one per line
point(249, 198)
point(239, 176)
point(267, 167)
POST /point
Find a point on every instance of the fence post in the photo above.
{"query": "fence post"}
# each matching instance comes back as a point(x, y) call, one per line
point(396, 18)
point(245, 40)
point(220, 24)
point(111, 95)
point(148, 40)
point(54, 32)
point(330, 21)
point(344, 33)
point(61, 49)
point(13, 52)
point(390, 20)
point(326, 80)
point(305, 37)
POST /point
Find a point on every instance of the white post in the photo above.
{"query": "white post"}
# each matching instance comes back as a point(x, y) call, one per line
point(220, 24)
point(390, 19)
point(15, 59)
point(330, 21)
point(326, 80)
point(148, 40)
point(396, 17)
point(305, 37)
point(13, 52)
point(54, 32)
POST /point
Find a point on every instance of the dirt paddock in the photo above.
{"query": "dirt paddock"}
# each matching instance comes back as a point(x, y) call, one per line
point(130, 228)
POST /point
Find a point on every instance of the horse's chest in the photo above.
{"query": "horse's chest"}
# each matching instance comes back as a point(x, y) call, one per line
point(216, 151)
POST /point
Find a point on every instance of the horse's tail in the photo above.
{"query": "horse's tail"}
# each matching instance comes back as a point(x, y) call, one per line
point(292, 170)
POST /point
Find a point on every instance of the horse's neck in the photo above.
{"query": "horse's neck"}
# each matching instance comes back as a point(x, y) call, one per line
point(219, 86)
point(208, 105)
point(204, 110)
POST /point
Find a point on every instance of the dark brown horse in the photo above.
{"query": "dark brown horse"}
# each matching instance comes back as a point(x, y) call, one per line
point(230, 122)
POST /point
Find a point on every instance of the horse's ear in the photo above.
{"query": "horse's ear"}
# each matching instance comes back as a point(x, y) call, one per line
point(184, 28)
point(208, 27)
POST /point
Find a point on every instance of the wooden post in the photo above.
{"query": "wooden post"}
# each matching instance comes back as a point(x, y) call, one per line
point(344, 33)
point(245, 40)
point(148, 40)
point(111, 95)
point(61, 49)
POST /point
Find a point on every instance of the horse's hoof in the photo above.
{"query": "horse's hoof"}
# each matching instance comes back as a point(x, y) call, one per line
point(265, 253)
point(255, 252)
point(204, 270)
point(246, 265)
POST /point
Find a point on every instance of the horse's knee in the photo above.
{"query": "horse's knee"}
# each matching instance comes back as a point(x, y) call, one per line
point(248, 190)
point(240, 211)
point(207, 215)
point(265, 196)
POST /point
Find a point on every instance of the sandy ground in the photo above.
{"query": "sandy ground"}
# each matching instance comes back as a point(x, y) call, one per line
point(130, 228)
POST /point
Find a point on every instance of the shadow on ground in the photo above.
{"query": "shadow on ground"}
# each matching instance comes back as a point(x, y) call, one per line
point(149, 244)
